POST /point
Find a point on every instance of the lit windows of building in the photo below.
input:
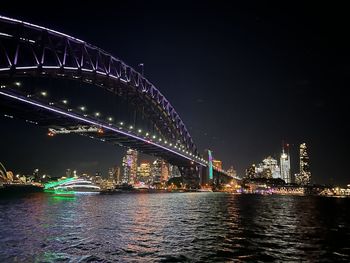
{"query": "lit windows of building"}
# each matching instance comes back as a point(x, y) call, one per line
point(304, 176)
point(130, 167)
point(285, 166)
point(217, 164)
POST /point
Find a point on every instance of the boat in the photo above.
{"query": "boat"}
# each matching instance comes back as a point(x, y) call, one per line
point(76, 186)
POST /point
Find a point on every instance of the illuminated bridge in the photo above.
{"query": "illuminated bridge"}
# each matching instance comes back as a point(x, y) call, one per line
point(54, 80)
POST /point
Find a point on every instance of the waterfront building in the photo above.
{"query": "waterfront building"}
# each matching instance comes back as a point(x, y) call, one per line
point(116, 175)
point(250, 172)
point(156, 170)
point(217, 164)
point(130, 167)
point(304, 176)
point(232, 172)
point(144, 172)
point(174, 171)
point(270, 168)
point(285, 167)
point(36, 175)
point(165, 171)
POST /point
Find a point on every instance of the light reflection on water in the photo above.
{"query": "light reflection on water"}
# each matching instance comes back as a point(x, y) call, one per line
point(192, 227)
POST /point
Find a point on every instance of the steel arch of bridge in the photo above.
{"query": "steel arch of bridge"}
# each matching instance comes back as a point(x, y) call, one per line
point(38, 51)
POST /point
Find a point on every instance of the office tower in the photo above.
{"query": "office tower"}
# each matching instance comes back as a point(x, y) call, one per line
point(130, 167)
point(304, 176)
point(285, 166)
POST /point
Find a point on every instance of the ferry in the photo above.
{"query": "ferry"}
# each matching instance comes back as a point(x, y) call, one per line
point(77, 186)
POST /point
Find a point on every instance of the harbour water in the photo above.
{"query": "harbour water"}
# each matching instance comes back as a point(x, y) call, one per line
point(176, 227)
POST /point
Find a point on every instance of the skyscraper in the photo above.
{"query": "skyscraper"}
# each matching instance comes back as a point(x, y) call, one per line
point(232, 172)
point(130, 167)
point(285, 166)
point(156, 170)
point(144, 172)
point(174, 171)
point(304, 176)
point(270, 168)
point(217, 164)
point(165, 171)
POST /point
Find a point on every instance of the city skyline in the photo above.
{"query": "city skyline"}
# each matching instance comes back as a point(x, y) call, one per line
point(255, 82)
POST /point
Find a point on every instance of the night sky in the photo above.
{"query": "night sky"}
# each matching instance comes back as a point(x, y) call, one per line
point(243, 77)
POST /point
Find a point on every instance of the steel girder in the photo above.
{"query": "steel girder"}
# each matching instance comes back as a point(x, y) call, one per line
point(27, 49)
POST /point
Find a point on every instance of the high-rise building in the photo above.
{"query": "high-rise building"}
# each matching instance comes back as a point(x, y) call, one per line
point(270, 168)
point(174, 171)
point(165, 171)
point(250, 171)
point(304, 176)
point(114, 175)
point(156, 170)
point(69, 173)
point(285, 166)
point(144, 172)
point(217, 164)
point(130, 167)
point(232, 172)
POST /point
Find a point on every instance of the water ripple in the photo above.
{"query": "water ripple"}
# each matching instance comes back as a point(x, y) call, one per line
point(186, 227)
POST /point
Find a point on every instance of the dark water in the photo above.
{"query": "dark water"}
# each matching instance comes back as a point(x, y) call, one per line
point(182, 227)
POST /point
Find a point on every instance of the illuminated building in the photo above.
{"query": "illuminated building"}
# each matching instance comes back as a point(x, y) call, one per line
point(270, 168)
point(304, 176)
point(232, 172)
point(174, 171)
point(114, 175)
point(69, 173)
point(250, 172)
point(129, 167)
point(117, 178)
point(267, 169)
point(165, 171)
point(36, 175)
point(144, 172)
point(285, 167)
point(217, 164)
point(156, 170)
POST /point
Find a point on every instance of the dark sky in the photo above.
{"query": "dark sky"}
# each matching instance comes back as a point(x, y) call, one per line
point(243, 77)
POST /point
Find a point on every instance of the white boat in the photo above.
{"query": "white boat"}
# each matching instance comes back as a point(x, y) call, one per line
point(78, 186)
